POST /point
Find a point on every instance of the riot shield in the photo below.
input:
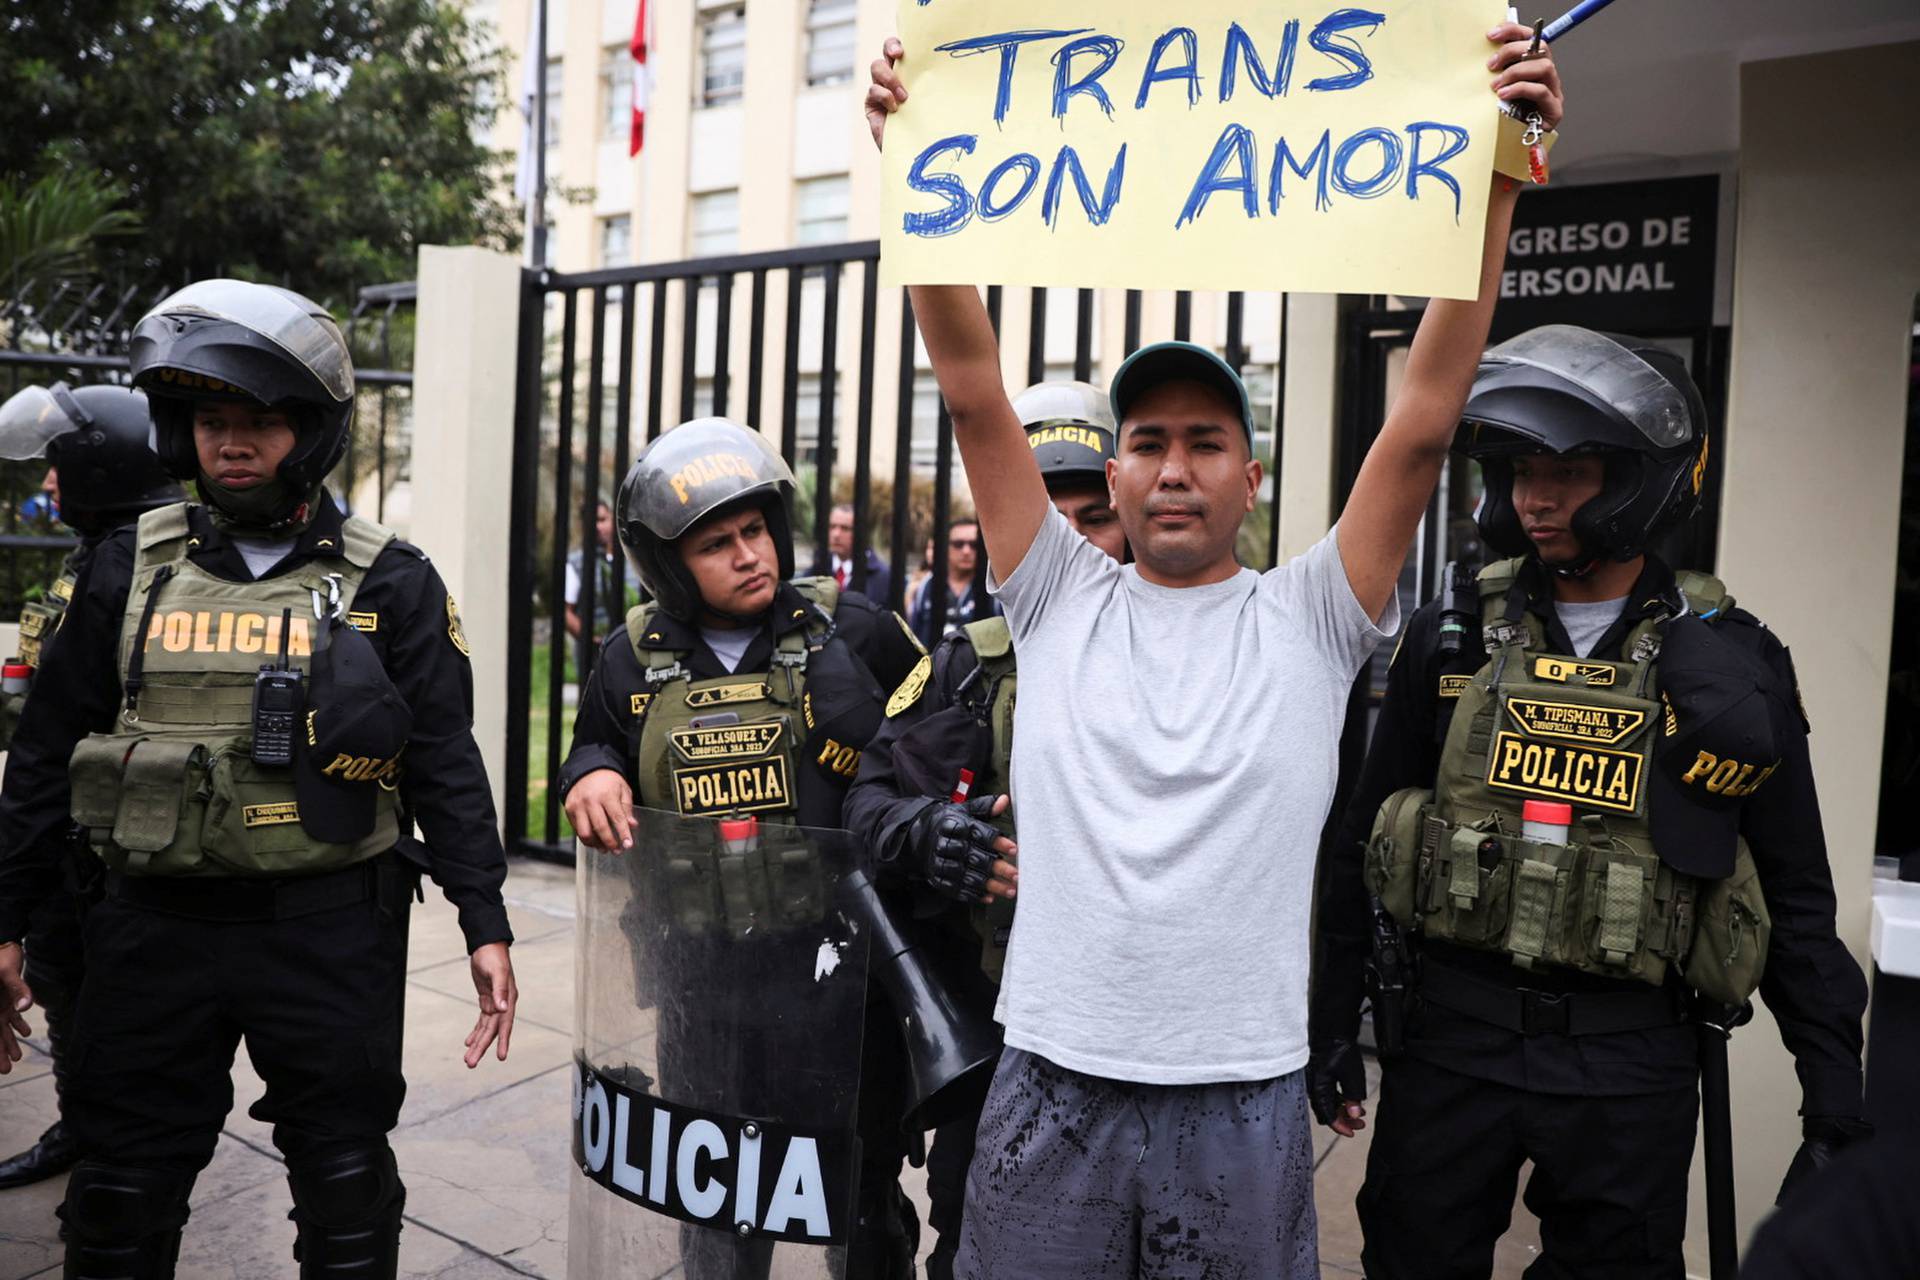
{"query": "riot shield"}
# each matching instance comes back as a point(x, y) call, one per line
point(720, 994)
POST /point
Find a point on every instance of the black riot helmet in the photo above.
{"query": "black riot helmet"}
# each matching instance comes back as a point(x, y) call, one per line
point(1070, 428)
point(1563, 389)
point(703, 468)
point(99, 440)
point(255, 344)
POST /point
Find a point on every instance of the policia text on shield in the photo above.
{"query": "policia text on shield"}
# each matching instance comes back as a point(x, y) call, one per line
point(1586, 823)
point(243, 898)
point(733, 709)
point(1154, 1024)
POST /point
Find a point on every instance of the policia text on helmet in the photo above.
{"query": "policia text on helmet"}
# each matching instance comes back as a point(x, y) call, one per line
point(1586, 832)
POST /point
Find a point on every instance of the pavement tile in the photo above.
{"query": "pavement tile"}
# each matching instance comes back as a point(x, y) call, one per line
point(438, 1081)
point(543, 970)
point(496, 1173)
point(28, 1241)
point(35, 1060)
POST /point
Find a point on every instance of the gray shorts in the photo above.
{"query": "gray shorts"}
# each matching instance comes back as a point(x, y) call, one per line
point(1076, 1176)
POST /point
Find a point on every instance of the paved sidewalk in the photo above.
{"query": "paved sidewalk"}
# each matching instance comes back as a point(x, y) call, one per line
point(484, 1153)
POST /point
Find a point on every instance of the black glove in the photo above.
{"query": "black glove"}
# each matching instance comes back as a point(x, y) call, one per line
point(950, 848)
point(1822, 1139)
point(1336, 1075)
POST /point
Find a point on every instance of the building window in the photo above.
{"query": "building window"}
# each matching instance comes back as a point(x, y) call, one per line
point(714, 228)
point(820, 210)
point(556, 78)
point(616, 91)
point(831, 37)
point(723, 55)
point(616, 241)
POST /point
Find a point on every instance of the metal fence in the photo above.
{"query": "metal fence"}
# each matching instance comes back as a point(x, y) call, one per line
point(77, 332)
point(609, 359)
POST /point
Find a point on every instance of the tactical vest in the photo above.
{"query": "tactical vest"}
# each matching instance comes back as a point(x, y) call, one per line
point(727, 747)
point(989, 694)
point(39, 619)
point(172, 789)
point(1453, 864)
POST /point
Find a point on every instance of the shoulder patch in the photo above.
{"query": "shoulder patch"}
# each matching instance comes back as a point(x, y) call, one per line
point(909, 691)
point(363, 621)
point(1454, 686)
point(454, 633)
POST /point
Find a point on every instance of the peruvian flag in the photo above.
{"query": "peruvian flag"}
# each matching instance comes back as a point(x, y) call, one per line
point(642, 77)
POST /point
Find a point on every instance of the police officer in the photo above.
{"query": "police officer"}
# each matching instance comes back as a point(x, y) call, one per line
point(703, 513)
point(104, 475)
point(250, 701)
point(955, 714)
point(1587, 796)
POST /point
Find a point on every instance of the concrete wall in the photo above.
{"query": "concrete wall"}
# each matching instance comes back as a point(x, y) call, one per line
point(1827, 266)
point(463, 370)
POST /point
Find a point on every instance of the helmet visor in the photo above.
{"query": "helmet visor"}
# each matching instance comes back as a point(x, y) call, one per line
point(29, 420)
point(299, 327)
point(1608, 371)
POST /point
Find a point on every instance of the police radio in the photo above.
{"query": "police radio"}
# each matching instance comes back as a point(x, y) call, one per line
point(279, 696)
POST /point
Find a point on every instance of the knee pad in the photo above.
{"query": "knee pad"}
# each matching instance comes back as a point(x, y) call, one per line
point(345, 1188)
point(123, 1223)
point(346, 1205)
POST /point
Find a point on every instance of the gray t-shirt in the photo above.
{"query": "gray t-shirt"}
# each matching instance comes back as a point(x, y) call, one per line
point(1174, 760)
point(1586, 623)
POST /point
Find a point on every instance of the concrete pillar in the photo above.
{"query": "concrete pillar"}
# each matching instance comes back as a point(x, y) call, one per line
point(465, 353)
point(1826, 270)
point(1306, 455)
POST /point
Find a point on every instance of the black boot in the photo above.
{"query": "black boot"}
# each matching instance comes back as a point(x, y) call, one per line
point(54, 1153)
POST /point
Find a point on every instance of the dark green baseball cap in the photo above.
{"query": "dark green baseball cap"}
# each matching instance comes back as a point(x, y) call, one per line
point(1179, 362)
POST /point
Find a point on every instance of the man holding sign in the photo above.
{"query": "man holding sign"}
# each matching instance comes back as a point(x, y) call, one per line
point(1149, 1116)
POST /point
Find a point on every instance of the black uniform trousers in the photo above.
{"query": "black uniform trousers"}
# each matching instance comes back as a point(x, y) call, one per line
point(168, 997)
point(1609, 1181)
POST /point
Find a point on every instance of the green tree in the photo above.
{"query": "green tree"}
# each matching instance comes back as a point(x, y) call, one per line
point(55, 227)
point(313, 142)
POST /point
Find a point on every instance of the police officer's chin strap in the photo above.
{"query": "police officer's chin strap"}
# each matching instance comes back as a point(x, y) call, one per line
point(1573, 570)
point(274, 509)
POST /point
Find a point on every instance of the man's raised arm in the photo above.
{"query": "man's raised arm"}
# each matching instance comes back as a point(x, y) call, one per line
point(1008, 493)
point(1401, 469)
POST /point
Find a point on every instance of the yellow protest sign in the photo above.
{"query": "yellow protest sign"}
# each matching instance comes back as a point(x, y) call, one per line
point(1218, 144)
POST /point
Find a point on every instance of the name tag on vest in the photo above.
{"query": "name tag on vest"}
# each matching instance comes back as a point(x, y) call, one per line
point(734, 768)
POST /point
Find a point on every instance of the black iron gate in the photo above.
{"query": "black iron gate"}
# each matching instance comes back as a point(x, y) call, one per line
point(648, 329)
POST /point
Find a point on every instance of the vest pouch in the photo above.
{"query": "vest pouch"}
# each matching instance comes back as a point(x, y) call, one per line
point(692, 890)
point(1468, 892)
point(1394, 855)
point(797, 880)
point(94, 776)
point(142, 801)
point(1624, 924)
point(1731, 932)
point(253, 822)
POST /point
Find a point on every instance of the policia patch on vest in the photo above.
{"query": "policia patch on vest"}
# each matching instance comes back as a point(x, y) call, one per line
point(1589, 753)
point(734, 768)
